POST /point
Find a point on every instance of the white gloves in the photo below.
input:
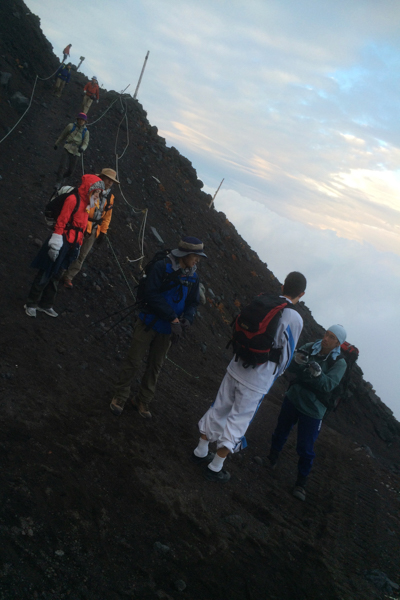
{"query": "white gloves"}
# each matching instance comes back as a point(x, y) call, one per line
point(53, 254)
point(55, 245)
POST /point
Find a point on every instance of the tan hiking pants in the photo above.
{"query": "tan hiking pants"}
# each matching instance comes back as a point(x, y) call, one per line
point(158, 345)
point(86, 247)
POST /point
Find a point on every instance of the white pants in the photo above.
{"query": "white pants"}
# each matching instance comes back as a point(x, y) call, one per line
point(227, 420)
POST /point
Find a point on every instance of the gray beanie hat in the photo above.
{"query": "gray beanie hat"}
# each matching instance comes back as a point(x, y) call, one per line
point(339, 331)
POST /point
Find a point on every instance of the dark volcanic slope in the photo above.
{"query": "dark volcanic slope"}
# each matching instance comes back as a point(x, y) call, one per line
point(85, 496)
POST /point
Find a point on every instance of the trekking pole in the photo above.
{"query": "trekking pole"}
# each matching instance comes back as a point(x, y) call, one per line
point(113, 314)
point(115, 325)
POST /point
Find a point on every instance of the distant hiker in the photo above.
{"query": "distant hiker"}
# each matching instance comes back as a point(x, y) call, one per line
point(171, 297)
point(76, 137)
point(62, 247)
point(97, 227)
point(90, 93)
point(245, 385)
point(63, 76)
point(66, 52)
point(319, 368)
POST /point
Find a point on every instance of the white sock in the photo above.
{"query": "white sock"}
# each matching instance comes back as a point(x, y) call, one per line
point(202, 448)
point(216, 463)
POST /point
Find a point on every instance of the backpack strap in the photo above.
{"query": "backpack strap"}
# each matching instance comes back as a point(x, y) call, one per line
point(69, 224)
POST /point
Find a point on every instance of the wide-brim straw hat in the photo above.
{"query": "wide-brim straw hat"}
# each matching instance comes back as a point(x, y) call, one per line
point(110, 173)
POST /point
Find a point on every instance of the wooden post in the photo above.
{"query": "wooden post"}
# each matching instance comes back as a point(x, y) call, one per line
point(81, 58)
point(141, 75)
point(213, 198)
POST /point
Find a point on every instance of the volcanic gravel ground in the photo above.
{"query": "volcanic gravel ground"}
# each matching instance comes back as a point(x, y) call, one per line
point(98, 507)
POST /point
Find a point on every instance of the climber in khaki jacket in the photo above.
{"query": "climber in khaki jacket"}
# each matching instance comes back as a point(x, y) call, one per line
point(97, 227)
point(76, 137)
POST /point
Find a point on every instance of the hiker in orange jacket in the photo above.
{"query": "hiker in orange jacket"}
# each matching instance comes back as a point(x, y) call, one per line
point(62, 247)
point(90, 93)
point(66, 52)
point(97, 227)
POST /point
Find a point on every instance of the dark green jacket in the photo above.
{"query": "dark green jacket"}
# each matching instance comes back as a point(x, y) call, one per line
point(305, 391)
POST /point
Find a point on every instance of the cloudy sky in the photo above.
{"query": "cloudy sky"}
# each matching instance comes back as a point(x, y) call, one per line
point(296, 105)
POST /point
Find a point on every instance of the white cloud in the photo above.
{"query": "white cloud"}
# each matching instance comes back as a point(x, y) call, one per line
point(348, 283)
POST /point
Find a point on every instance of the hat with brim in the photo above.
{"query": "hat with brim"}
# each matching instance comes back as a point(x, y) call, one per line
point(110, 173)
point(189, 245)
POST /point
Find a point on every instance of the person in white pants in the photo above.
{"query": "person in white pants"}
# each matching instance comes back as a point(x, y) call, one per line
point(243, 389)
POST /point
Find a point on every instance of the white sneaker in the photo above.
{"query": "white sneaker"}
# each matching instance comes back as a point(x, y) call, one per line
point(49, 311)
point(30, 310)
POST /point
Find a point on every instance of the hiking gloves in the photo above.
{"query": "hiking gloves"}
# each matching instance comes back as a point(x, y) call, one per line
point(185, 323)
point(314, 369)
point(100, 238)
point(53, 254)
point(300, 357)
point(176, 332)
point(80, 149)
point(55, 245)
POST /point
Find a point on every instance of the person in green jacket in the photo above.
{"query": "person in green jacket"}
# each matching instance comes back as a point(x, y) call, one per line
point(76, 139)
point(319, 368)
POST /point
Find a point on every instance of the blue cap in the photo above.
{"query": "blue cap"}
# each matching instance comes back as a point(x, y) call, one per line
point(339, 331)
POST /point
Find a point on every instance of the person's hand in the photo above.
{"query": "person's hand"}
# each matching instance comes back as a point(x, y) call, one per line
point(100, 238)
point(53, 254)
point(185, 324)
point(55, 147)
point(97, 101)
point(314, 369)
point(301, 357)
point(80, 149)
point(176, 332)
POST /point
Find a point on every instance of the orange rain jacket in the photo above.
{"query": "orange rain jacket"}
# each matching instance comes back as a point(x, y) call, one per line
point(92, 90)
point(105, 217)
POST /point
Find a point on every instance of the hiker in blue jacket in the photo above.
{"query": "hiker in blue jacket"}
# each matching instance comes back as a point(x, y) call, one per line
point(319, 368)
point(171, 298)
point(63, 76)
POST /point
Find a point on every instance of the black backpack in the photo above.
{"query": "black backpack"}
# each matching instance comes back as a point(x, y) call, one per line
point(350, 354)
point(170, 280)
point(55, 205)
point(254, 330)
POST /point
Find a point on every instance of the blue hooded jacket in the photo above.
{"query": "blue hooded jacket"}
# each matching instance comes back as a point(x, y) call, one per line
point(64, 74)
point(181, 300)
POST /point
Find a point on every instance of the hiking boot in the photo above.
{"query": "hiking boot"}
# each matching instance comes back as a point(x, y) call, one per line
point(115, 408)
point(49, 311)
point(198, 460)
point(221, 476)
point(142, 408)
point(299, 493)
point(68, 284)
point(30, 310)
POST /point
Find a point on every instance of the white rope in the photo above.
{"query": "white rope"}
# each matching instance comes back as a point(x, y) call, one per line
point(105, 112)
point(30, 102)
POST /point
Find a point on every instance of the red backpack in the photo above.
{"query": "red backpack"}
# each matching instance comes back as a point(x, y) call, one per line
point(254, 330)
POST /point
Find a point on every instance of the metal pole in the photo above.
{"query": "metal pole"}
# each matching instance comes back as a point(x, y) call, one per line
point(213, 198)
point(141, 75)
